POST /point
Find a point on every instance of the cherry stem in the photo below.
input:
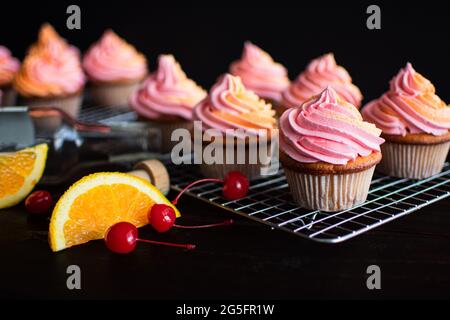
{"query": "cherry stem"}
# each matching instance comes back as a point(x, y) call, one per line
point(224, 223)
point(169, 244)
point(175, 201)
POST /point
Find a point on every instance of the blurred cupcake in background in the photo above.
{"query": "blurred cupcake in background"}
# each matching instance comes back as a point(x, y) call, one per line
point(259, 73)
point(166, 99)
point(51, 74)
point(320, 73)
point(415, 124)
point(239, 115)
point(114, 69)
point(9, 66)
point(328, 153)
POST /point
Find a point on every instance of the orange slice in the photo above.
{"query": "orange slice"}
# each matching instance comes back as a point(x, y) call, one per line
point(19, 173)
point(96, 202)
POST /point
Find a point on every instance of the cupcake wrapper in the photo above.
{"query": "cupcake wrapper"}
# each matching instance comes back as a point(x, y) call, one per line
point(9, 96)
point(251, 171)
point(114, 95)
point(329, 192)
point(413, 161)
point(71, 105)
point(166, 129)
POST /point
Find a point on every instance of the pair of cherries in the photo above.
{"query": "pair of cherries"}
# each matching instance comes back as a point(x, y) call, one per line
point(123, 236)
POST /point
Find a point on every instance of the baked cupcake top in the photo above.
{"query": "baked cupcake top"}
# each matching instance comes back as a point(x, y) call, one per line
point(410, 106)
point(230, 105)
point(327, 129)
point(320, 73)
point(259, 73)
point(167, 93)
point(112, 59)
point(8, 66)
point(51, 67)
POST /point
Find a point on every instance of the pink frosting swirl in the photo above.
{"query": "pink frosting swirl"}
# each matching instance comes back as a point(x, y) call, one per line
point(231, 106)
point(410, 106)
point(259, 73)
point(167, 92)
point(112, 59)
point(320, 73)
point(327, 129)
point(8, 66)
point(51, 68)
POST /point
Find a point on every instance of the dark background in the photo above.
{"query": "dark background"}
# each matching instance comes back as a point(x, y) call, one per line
point(247, 260)
point(206, 39)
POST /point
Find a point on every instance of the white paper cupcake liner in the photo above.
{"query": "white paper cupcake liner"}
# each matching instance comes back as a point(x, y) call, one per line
point(333, 192)
point(113, 95)
point(414, 161)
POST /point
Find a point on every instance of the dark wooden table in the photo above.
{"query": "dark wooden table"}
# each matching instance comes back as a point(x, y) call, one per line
point(246, 260)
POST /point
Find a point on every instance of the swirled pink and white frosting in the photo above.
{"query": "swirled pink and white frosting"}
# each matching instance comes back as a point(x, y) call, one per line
point(112, 59)
point(230, 106)
point(167, 93)
point(51, 67)
point(319, 74)
point(8, 66)
point(410, 106)
point(259, 73)
point(327, 129)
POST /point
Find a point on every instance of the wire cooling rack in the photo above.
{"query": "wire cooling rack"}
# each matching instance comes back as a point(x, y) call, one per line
point(269, 199)
point(269, 202)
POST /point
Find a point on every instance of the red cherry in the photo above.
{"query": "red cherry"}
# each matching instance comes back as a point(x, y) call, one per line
point(235, 186)
point(121, 237)
point(39, 202)
point(161, 217)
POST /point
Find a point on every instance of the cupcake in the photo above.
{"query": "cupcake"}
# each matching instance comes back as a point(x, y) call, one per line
point(328, 152)
point(320, 73)
point(259, 73)
point(114, 69)
point(241, 119)
point(166, 99)
point(8, 69)
point(415, 124)
point(51, 74)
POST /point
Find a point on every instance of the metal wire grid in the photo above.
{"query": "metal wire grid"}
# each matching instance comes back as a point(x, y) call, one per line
point(269, 202)
point(106, 115)
point(269, 199)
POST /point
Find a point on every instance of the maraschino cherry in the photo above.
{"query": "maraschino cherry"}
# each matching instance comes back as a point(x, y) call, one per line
point(123, 237)
point(162, 217)
point(39, 202)
point(235, 186)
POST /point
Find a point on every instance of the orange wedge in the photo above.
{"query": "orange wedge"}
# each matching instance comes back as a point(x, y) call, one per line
point(19, 173)
point(96, 202)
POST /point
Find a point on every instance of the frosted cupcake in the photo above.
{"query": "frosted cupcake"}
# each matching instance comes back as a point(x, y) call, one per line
point(114, 69)
point(259, 73)
point(8, 69)
point(51, 74)
point(319, 74)
point(328, 153)
point(240, 114)
point(415, 124)
point(166, 99)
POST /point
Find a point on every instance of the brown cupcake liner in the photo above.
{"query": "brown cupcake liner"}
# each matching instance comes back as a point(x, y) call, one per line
point(414, 161)
point(113, 95)
point(334, 192)
point(9, 96)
